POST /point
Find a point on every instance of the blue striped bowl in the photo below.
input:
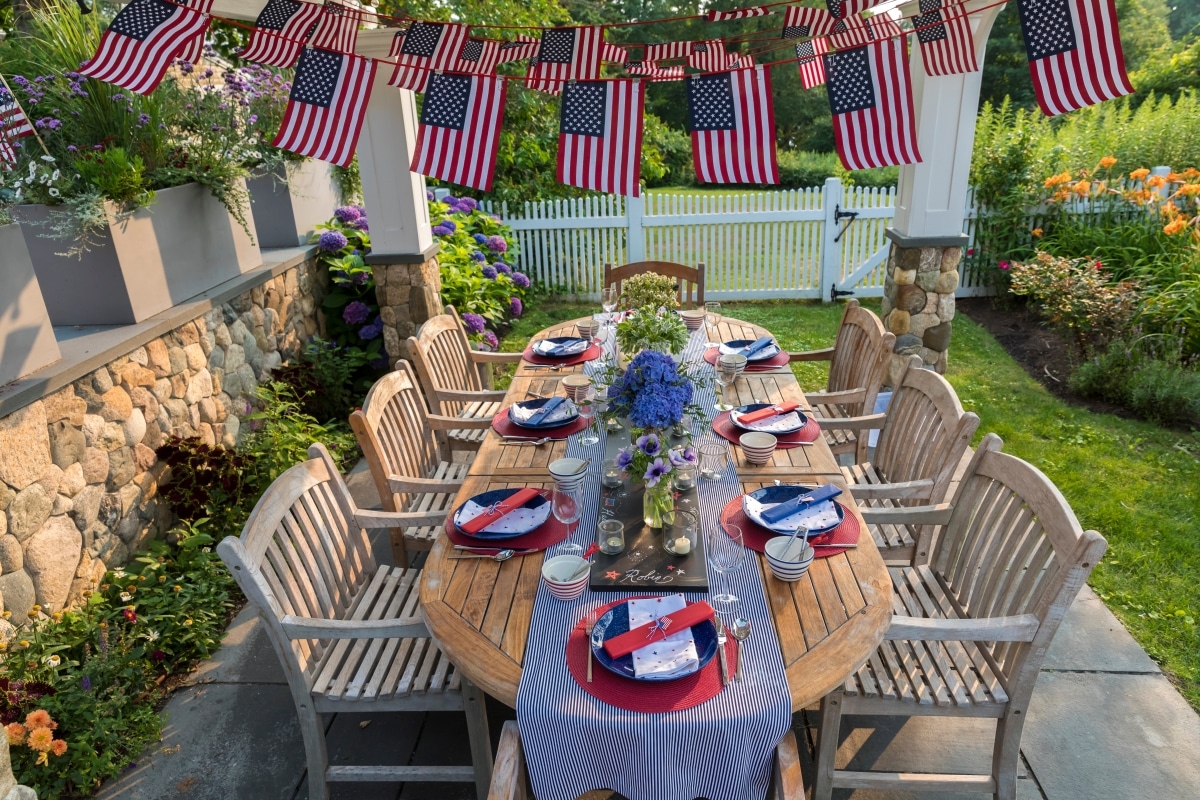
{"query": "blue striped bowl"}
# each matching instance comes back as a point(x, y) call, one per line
point(799, 555)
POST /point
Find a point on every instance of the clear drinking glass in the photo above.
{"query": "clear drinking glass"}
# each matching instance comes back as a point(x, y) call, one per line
point(725, 551)
point(714, 459)
point(567, 507)
point(712, 317)
point(726, 376)
point(587, 410)
point(610, 536)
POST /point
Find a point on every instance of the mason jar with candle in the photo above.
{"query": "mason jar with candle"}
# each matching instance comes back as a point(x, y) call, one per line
point(679, 538)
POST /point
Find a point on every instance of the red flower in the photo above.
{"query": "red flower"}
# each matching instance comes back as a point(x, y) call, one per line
point(971, 252)
point(130, 615)
point(158, 656)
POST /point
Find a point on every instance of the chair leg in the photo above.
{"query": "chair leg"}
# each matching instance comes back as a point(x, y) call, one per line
point(1006, 754)
point(480, 740)
point(312, 730)
point(399, 549)
point(827, 744)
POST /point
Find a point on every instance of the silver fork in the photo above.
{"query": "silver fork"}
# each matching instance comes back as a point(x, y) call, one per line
point(588, 624)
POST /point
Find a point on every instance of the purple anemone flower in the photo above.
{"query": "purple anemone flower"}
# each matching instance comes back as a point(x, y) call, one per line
point(624, 458)
point(649, 444)
point(654, 473)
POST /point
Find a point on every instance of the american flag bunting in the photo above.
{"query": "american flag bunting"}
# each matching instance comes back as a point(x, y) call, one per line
point(857, 31)
point(810, 63)
point(1074, 51)
point(600, 136)
point(667, 51)
point(741, 13)
point(482, 56)
point(337, 28)
point(141, 41)
point(944, 34)
point(802, 22)
point(566, 54)
point(280, 31)
point(425, 46)
point(870, 98)
point(193, 49)
point(459, 132)
point(710, 56)
point(732, 122)
point(8, 156)
point(327, 106)
point(841, 9)
point(650, 69)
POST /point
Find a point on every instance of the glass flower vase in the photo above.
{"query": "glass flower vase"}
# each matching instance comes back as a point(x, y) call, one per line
point(658, 504)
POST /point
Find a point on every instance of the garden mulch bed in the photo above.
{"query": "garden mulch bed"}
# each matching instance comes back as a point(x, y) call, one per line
point(1043, 353)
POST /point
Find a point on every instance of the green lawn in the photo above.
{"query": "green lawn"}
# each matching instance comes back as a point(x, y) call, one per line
point(1136, 483)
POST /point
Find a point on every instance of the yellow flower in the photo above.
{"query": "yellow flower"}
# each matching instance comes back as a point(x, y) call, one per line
point(162, 578)
point(1107, 162)
point(44, 758)
point(57, 616)
point(177, 588)
point(40, 719)
point(24, 643)
point(1139, 174)
point(16, 733)
point(187, 622)
point(7, 614)
point(33, 612)
point(41, 739)
point(1176, 226)
point(1037, 233)
point(131, 588)
point(3, 646)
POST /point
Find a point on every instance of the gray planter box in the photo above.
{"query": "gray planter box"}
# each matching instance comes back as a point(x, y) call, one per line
point(26, 339)
point(184, 244)
point(289, 202)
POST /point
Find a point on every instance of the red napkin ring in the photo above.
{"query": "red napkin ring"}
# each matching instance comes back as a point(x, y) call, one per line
point(769, 411)
point(498, 511)
point(658, 630)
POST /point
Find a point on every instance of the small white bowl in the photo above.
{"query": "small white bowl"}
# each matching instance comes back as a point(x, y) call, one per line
point(693, 318)
point(556, 573)
point(566, 472)
point(588, 328)
point(789, 557)
point(758, 446)
point(576, 386)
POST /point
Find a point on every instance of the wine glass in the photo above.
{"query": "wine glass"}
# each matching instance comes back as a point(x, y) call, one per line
point(725, 551)
point(587, 410)
point(726, 376)
point(567, 507)
point(712, 317)
point(608, 299)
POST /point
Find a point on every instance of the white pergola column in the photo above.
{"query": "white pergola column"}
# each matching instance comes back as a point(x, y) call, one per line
point(931, 197)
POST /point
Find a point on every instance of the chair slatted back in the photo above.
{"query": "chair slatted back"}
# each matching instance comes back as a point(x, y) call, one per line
point(690, 287)
point(393, 430)
point(1013, 546)
point(442, 355)
point(925, 434)
point(860, 356)
point(301, 554)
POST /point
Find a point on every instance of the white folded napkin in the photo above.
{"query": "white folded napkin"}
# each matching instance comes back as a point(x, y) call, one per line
point(814, 517)
point(522, 413)
point(673, 656)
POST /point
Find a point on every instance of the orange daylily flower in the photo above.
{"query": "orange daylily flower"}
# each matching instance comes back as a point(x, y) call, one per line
point(1177, 225)
point(1037, 233)
point(1107, 162)
point(1082, 187)
point(1139, 174)
point(1055, 180)
point(1156, 182)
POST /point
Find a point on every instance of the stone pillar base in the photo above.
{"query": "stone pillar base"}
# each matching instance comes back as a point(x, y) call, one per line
point(408, 294)
point(918, 304)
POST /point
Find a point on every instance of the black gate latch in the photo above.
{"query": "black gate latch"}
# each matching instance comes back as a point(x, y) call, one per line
point(839, 215)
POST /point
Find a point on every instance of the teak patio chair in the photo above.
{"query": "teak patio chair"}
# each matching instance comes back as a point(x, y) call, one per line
point(924, 438)
point(691, 279)
point(449, 372)
point(508, 777)
point(348, 631)
point(410, 465)
point(858, 364)
point(971, 621)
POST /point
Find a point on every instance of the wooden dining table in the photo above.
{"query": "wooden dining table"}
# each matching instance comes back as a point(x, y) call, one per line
point(828, 623)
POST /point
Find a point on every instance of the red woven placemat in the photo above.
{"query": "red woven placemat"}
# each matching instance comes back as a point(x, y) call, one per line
point(646, 696)
point(755, 536)
point(592, 352)
point(780, 359)
point(550, 533)
point(723, 426)
point(504, 426)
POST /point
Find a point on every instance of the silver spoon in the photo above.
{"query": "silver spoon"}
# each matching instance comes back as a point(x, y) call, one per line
point(522, 442)
point(554, 368)
point(740, 631)
point(503, 555)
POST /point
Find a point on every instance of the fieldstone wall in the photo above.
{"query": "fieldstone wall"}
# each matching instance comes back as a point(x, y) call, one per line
point(408, 294)
point(918, 304)
point(78, 473)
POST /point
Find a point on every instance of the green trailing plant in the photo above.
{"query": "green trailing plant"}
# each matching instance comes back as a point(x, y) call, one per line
point(649, 290)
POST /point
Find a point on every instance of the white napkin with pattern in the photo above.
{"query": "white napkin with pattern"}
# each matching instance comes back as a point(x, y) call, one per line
point(521, 413)
point(545, 347)
point(674, 656)
point(814, 517)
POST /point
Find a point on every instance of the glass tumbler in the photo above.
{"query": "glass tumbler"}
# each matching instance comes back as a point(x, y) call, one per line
point(714, 460)
point(610, 536)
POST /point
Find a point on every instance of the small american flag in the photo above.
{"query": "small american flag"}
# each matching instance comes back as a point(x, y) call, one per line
point(741, 13)
point(945, 38)
point(459, 132)
point(857, 31)
point(327, 106)
point(801, 22)
point(13, 122)
point(810, 63)
point(141, 41)
point(193, 49)
point(280, 31)
point(709, 56)
point(8, 156)
point(423, 47)
point(482, 56)
point(649, 69)
point(600, 136)
point(337, 28)
point(870, 97)
point(1074, 51)
point(666, 51)
point(732, 121)
point(566, 54)
point(849, 8)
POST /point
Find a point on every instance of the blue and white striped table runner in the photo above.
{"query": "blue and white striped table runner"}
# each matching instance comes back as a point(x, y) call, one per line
point(721, 749)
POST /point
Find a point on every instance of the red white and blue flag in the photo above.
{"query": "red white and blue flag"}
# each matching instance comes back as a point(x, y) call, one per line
point(280, 31)
point(337, 28)
point(8, 156)
point(709, 55)
point(482, 56)
point(193, 49)
point(13, 122)
point(566, 54)
point(841, 9)
point(802, 22)
point(944, 33)
point(425, 47)
point(600, 136)
point(870, 97)
point(328, 104)
point(810, 63)
point(141, 42)
point(857, 31)
point(732, 121)
point(650, 69)
point(741, 13)
point(459, 132)
point(1074, 51)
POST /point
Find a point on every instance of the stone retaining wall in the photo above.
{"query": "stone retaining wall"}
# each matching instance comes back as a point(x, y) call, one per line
point(78, 474)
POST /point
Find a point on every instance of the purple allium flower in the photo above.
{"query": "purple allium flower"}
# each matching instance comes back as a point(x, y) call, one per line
point(478, 256)
point(624, 457)
point(654, 473)
point(489, 273)
point(515, 306)
point(253, 118)
point(480, 238)
point(491, 340)
point(502, 268)
point(356, 313)
point(473, 322)
point(649, 444)
point(186, 67)
point(521, 279)
point(332, 241)
point(441, 230)
point(497, 244)
point(72, 148)
point(346, 214)
point(368, 332)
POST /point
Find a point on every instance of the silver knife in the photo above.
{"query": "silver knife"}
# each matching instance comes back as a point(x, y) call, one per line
point(721, 638)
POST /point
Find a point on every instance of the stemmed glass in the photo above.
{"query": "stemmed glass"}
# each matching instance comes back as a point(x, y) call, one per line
point(725, 551)
point(608, 300)
point(567, 508)
point(726, 375)
point(712, 317)
point(587, 410)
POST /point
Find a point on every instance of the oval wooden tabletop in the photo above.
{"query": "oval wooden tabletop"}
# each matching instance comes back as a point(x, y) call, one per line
point(828, 623)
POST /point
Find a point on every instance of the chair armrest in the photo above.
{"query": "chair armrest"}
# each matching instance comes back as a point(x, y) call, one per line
point(812, 355)
point(913, 515)
point(398, 628)
point(851, 423)
point(508, 772)
point(402, 483)
point(373, 518)
point(438, 422)
point(485, 357)
point(1018, 628)
point(903, 489)
point(482, 396)
point(788, 779)
point(836, 398)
